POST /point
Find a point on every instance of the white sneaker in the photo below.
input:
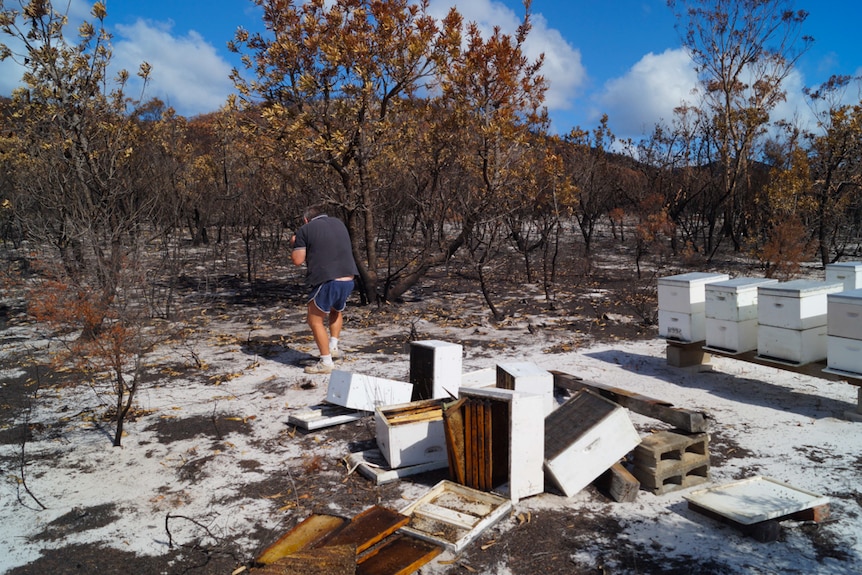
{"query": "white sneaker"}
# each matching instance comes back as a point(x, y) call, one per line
point(335, 353)
point(319, 368)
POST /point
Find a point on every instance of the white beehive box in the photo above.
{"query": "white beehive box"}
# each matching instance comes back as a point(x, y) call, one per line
point(678, 326)
point(732, 336)
point(366, 392)
point(435, 368)
point(411, 433)
point(584, 437)
point(525, 433)
point(847, 273)
point(529, 378)
point(844, 354)
point(794, 346)
point(844, 314)
point(486, 377)
point(797, 304)
point(734, 300)
point(685, 293)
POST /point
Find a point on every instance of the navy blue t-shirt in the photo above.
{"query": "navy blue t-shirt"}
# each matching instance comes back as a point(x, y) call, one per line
point(328, 254)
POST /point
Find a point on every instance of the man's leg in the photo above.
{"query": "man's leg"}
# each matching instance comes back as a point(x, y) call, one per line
point(315, 321)
point(336, 321)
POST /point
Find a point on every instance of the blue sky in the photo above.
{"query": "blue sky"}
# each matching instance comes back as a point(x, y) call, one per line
point(620, 57)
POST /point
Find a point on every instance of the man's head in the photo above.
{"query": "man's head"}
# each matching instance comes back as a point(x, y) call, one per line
point(312, 212)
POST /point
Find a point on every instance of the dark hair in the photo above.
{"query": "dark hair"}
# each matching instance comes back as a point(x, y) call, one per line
point(312, 212)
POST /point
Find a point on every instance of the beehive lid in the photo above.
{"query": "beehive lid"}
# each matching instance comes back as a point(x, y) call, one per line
point(800, 288)
point(740, 284)
point(755, 499)
point(692, 277)
point(853, 296)
point(840, 266)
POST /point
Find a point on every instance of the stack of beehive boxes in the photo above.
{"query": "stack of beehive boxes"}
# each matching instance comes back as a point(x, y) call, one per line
point(844, 331)
point(792, 320)
point(682, 305)
point(847, 273)
point(731, 314)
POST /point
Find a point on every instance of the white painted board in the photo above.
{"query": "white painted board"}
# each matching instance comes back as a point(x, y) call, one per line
point(755, 499)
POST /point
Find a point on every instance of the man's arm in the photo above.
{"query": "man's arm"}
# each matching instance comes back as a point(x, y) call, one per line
point(297, 256)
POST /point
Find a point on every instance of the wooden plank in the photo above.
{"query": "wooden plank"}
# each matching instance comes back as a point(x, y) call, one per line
point(306, 534)
point(399, 555)
point(685, 419)
point(453, 422)
point(366, 529)
point(489, 446)
point(336, 560)
point(481, 443)
point(415, 417)
point(451, 516)
point(619, 484)
point(814, 369)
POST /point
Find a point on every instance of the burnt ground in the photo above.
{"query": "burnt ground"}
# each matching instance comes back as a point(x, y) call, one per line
point(540, 543)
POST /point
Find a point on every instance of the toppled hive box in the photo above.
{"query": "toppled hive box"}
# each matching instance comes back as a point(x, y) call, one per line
point(584, 437)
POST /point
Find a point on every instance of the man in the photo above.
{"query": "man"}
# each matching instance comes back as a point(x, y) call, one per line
point(323, 244)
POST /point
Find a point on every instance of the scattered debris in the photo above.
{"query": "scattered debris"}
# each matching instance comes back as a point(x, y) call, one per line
point(324, 415)
point(372, 465)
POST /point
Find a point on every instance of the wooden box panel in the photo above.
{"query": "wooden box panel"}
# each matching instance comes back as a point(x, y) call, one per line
point(797, 304)
point(365, 392)
point(797, 347)
point(844, 354)
point(732, 336)
point(734, 300)
point(844, 314)
point(684, 327)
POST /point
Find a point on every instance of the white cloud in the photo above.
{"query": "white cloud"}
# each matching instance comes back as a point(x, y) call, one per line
point(11, 70)
point(649, 92)
point(562, 69)
point(187, 71)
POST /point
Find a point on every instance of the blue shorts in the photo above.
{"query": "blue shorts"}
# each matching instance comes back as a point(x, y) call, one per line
point(331, 295)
